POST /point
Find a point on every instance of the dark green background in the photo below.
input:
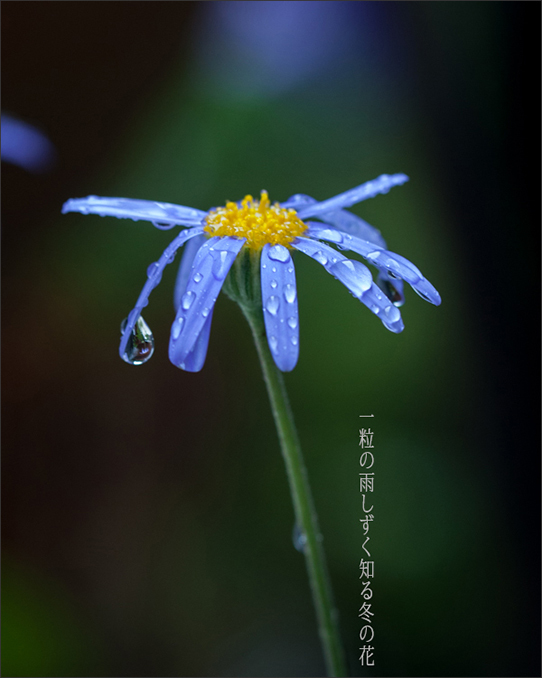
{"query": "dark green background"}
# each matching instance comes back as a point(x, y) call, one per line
point(146, 516)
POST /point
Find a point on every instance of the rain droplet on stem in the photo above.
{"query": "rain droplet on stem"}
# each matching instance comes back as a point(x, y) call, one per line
point(299, 538)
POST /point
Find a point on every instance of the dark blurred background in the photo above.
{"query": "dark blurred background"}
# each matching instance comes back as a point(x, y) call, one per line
point(146, 517)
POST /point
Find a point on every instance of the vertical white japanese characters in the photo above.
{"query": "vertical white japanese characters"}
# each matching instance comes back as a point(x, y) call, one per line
point(366, 486)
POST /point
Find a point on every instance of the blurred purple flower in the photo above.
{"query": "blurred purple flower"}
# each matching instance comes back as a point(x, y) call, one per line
point(25, 146)
point(216, 237)
point(266, 47)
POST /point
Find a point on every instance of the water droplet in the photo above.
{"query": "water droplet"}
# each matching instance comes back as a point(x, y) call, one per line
point(273, 344)
point(274, 269)
point(274, 284)
point(392, 274)
point(220, 265)
point(392, 314)
point(375, 309)
point(290, 269)
point(171, 258)
point(152, 270)
point(188, 300)
point(299, 538)
point(354, 275)
point(197, 278)
point(320, 257)
point(294, 341)
point(177, 327)
point(393, 294)
point(205, 312)
point(292, 322)
point(328, 234)
point(422, 295)
point(272, 305)
point(140, 346)
point(279, 253)
point(290, 293)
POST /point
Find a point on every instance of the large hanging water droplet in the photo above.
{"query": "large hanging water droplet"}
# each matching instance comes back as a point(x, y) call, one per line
point(393, 294)
point(272, 305)
point(220, 265)
point(279, 253)
point(140, 346)
point(299, 538)
point(188, 300)
point(292, 322)
point(290, 293)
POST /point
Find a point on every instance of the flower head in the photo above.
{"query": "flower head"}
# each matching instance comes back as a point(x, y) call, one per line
point(271, 232)
point(25, 146)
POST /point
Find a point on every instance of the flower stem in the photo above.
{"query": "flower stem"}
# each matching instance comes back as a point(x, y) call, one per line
point(305, 512)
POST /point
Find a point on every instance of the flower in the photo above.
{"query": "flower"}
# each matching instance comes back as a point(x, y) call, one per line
point(25, 146)
point(215, 238)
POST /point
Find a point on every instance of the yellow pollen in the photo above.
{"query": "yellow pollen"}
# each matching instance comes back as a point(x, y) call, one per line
point(257, 221)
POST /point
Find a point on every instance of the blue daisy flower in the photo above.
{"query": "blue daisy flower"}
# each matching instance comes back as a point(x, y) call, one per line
point(214, 239)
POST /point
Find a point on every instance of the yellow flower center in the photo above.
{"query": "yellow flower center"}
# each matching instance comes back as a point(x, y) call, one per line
point(257, 221)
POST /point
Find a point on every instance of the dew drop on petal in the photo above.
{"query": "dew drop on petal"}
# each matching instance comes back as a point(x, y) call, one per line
point(205, 312)
point(274, 284)
point(392, 314)
point(290, 269)
point(354, 275)
point(279, 253)
point(177, 327)
point(188, 300)
point(220, 265)
point(197, 278)
point(273, 344)
point(140, 346)
point(292, 322)
point(328, 234)
point(294, 341)
point(152, 270)
point(290, 293)
point(272, 305)
point(320, 257)
point(274, 269)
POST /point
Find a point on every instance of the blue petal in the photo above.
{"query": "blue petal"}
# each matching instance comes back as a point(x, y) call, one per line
point(161, 214)
point(154, 273)
point(25, 146)
point(189, 252)
point(195, 360)
point(210, 268)
point(394, 264)
point(279, 298)
point(355, 195)
point(341, 219)
point(356, 277)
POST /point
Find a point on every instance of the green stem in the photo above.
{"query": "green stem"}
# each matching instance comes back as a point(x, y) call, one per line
point(305, 512)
